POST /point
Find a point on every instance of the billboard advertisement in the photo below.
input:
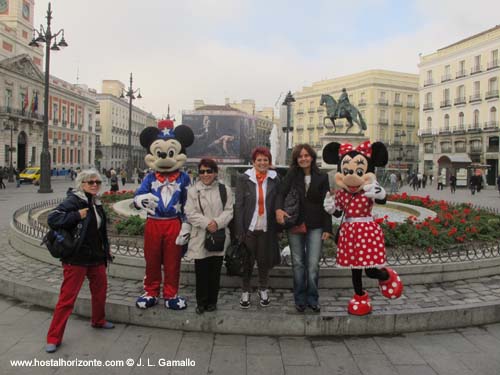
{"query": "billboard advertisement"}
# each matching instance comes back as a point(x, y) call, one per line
point(228, 138)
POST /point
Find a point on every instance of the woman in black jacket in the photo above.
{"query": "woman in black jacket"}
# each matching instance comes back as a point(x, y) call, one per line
point(83, 216)
point(312, 226)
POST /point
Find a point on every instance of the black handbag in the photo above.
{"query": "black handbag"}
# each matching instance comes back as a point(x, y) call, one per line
point(236, 259)
point(213, 241)
point(291, 206)
point(61, 243)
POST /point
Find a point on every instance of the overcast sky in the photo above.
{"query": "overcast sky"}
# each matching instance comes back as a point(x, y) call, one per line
point(182, 50)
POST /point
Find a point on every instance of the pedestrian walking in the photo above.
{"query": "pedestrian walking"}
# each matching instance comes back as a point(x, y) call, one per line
point(255, 222)
point(82, 214)
point(207, 213)
point(123, 175)
point(113, 180)
point(393, 179)
point(2, 176)
point(306, 244)
point(18, 177)
point(453, 184)
point(498, 183)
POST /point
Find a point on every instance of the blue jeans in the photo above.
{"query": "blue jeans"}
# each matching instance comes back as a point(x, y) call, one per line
point(306, 252)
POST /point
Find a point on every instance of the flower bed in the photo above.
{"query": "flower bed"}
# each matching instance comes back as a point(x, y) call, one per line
point(454, 224)
point(130, 226)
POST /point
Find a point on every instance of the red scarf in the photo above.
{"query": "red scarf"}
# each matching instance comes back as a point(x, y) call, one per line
point(170, 176)
point(260, 180)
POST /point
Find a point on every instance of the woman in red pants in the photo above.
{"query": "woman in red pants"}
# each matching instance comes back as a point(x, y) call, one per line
point(82, 214)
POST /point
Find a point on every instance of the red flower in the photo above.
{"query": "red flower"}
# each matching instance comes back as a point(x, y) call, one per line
point(379, 220)
point(452, 231)
point(429, 250)
point(462, 221)
point(466, 211)
point(391, 224)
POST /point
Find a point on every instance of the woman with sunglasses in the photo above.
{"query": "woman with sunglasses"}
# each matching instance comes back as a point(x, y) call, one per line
point(207, 213)
point(82, 214)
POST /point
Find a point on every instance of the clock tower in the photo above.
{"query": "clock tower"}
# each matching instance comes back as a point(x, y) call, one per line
point(16, 25)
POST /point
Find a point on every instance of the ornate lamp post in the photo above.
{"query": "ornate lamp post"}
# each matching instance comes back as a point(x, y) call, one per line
point(131, 95)
point(46, 36)
point(400, 154)
point(12, 128)
point(288, 102)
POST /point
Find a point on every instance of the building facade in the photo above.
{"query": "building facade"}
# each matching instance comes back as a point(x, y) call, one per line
point(459, 116)
point(71, 118)
point(113, 127)
point(387, 100)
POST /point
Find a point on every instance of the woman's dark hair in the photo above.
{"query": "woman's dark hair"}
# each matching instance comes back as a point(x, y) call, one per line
point(209, 163)
point(296, 153)
point(263, 151)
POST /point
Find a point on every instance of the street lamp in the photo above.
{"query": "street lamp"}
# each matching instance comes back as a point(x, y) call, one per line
point(131, 95)
point(11, 127)
point(46, 36)
point(288, 102)
point(400, 135)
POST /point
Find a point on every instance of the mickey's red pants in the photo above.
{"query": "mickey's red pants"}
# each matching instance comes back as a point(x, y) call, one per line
point(160, 249)
point(71, 285)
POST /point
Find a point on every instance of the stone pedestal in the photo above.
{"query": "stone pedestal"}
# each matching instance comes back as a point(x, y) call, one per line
point(354, 139)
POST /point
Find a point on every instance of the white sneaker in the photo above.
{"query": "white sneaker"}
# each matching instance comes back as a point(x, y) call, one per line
point(245, 300)
point(264, 298)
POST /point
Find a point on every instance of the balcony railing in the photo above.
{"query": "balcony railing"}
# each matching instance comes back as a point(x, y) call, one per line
point(446, 77)
point(300, 112)
point(459, 128)
point(461, 73)
point(80, 126)
point(55, 121)
point(398, 123)
point(383, 121)
point(445, 150)
point(444, 130)
point(475, 98)
point(19, 113)
point(311, 110)
point(492, 148)
point(425, 132)
point(383, 101)
point(64, 123)
point(459, 100)
point(410, 105)
point(362, 103)
point(476, 69)
point(476, 149)
point(320, 109)
point(491, 94)
point(410, 124)
point(428, 106)
point(460, 149)
point(492, 64)
point(398, 104)
point(55, 141)
point(445, 103)
point(428, 82)
point(72, 125)
point(491, 125)
point(474, 127)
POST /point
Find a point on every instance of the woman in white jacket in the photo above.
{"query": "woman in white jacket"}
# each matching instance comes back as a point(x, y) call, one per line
point(206, 213)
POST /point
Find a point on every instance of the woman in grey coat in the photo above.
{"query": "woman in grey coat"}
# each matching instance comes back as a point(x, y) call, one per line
point(205, 211)
point(255, 222)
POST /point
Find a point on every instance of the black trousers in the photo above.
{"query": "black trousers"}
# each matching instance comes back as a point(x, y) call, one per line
point(207, 280)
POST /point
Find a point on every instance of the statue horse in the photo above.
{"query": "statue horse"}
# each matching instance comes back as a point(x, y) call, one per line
point(351, 114)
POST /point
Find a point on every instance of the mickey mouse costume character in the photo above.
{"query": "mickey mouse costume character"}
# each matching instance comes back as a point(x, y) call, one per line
point(163, 194)
point(360, 242)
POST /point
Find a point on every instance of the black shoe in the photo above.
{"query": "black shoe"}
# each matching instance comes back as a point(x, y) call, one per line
point(300, 308)
point(211, 307)
point(200, 310)
point(314, 308)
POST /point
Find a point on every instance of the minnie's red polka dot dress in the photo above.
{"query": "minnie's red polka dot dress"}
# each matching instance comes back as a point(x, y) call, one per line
point(361, 244)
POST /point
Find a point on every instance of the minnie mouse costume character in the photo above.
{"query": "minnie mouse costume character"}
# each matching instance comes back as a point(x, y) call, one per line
point(163, 194)
point(360, 242)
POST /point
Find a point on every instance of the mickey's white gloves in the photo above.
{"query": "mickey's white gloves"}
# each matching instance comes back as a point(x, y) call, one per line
point(329, 203)
point(184, 235)
point(374, 191)
point(147, 201)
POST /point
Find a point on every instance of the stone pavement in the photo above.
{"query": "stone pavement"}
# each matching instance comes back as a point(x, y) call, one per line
point(468, 351)
point(473, 350)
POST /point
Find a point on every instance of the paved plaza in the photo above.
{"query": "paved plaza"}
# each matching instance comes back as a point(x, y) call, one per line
point(473, 350)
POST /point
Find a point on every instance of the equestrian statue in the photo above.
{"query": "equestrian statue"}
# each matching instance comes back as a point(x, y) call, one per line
point(342, 109)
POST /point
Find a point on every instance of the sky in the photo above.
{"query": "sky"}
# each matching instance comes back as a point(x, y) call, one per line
point(182, 50)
